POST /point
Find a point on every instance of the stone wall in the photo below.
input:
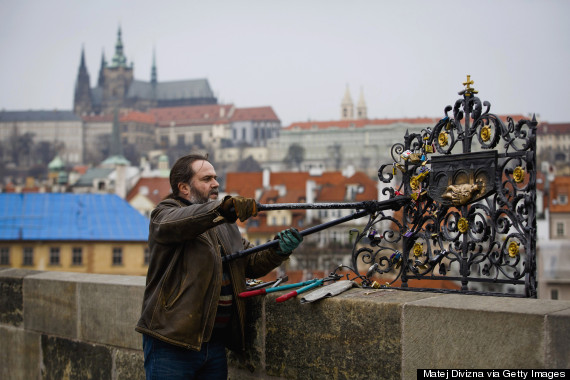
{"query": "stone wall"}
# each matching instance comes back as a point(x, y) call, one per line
point(56, 325)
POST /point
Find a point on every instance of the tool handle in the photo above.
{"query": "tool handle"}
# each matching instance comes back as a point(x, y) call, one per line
point(289, 286)
point(285, 297)
point(308, 231)
point(252, 293)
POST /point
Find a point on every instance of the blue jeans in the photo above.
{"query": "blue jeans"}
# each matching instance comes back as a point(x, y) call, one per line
point(165, 361)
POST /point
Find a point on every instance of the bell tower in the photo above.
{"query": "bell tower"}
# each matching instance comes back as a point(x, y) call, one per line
point(347, 106)
point(361, 109)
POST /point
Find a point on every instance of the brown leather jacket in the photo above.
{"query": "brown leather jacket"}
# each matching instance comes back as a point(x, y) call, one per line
point(185, 273)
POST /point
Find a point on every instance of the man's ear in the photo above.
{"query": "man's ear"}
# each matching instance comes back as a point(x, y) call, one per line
point(184, 189)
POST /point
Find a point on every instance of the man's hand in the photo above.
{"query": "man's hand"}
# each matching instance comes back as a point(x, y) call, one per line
point(244, 208)
point(288, 241)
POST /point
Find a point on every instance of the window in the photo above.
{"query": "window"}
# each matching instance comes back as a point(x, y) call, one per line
point(243, 134)
point(4, 256)
point(54, 256)
point(273, 221)
point(77, 256)
point(559, 229)
point(284, 221)
point(146, 256)
point(28, 256)
point(117, 256)
point(562, 199)
point(553, 294)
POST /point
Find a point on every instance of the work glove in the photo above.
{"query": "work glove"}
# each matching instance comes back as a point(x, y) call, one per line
point(288, 241)
point(240, 207)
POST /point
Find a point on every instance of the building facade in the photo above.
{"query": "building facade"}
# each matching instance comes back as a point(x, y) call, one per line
point(62, 129)
point(87, 233)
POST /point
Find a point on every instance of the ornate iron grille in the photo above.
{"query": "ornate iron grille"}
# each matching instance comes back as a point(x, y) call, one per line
point(472, 220)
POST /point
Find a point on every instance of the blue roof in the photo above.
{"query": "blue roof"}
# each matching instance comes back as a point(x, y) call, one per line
point(57, 216)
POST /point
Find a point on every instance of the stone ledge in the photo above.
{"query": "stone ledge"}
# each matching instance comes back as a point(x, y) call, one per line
point(362, 333)
point(11, 295)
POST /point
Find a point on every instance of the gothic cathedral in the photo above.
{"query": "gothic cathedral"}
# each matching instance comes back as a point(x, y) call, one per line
point(118, 89)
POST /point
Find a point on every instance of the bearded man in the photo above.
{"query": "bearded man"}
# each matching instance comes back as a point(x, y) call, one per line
point(190, 311)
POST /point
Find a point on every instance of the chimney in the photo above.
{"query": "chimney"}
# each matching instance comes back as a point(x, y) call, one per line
point(310, 188)
point(121, 181)
point(266, 175)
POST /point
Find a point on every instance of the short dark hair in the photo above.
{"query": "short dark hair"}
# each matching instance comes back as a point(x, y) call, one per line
point(181, 171)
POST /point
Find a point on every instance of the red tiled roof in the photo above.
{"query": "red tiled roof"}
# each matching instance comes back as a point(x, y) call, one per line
point(138, 117)
point(192, 115)
point(255, 113)
point(357, 123)
point(269, 196)
point(560, 186)
point(553, 128)
point(243, 184)
point(158, 188)
point(360, 123)
point(125, 116)
point(331, 193)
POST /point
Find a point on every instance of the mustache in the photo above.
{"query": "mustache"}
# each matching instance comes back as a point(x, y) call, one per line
point(213, 192)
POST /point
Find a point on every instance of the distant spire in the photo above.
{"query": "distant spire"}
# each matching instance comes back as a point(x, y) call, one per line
point(82, 96)
point(153, 78)
point(101, 80)
point(119, 59)
point(347, 106)
point(82, 63)
point(361, 109)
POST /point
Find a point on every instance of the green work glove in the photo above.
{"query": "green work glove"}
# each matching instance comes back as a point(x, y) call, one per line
point(241, 207)
point(288, 241)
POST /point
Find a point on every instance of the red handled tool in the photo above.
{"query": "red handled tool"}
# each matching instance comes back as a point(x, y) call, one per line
point(257, 292)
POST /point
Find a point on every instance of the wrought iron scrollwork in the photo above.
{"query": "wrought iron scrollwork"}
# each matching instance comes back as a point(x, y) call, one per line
point(472, 178)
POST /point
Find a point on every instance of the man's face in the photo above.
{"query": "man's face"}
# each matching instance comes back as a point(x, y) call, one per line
point(203, 185)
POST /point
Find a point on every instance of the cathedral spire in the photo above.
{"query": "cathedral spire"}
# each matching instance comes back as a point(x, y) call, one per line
point(347, 106)
point(119, 59)
point(101, 80)
point(82, 62)
point(153, 78)
point(82, 97)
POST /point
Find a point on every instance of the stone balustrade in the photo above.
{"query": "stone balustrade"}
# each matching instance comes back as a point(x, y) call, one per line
point(56, 325)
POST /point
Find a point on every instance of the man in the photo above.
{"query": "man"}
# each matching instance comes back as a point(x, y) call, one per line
point(190, 310)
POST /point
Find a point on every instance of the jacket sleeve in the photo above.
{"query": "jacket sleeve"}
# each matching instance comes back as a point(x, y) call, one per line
point(260, 263)
point(170, 223)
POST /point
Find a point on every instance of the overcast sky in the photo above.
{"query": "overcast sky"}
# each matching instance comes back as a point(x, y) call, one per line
point(408, 57)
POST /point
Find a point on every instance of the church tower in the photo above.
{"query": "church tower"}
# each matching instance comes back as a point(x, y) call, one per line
point(82, 98)
point(361, 110)
point(347, 106)
point(117, 78)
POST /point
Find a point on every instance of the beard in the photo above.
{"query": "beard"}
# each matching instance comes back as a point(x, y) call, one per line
point(198, 198)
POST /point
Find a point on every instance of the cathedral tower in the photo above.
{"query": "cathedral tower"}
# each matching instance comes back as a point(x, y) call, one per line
point(347, 106)
point(118, 77)
point(82, 102)
point(361, 109)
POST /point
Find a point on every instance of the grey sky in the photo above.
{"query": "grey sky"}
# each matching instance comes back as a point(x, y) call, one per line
point(409, 57)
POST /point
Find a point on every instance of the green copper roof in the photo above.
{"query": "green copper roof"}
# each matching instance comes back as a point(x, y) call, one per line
point(116, 160)
point(56, 164)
